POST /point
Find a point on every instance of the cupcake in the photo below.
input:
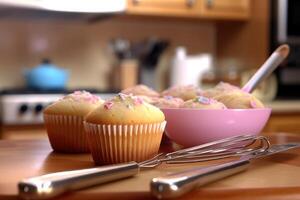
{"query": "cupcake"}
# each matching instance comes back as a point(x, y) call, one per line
point(202, 102)
point(167, 102)
point(123, 129)
point(64, 121)
point(238, 99)
point(140, 90)
point(219, 89)
point(185, 92)
point(233, 97)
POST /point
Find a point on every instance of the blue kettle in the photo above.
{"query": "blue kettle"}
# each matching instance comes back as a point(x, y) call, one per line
point(46, 76)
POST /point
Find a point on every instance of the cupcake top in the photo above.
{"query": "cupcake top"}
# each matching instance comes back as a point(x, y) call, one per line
point(79, 103)
point(184, 92)
point(238, 99)
point(219, 89)
point(141, 90)
point(202, 102)
point(167, 102)
point(126, 109)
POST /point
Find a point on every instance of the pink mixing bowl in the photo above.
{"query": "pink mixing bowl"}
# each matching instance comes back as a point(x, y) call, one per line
point(190, 127)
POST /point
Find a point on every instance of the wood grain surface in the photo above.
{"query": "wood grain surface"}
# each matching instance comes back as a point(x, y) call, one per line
point(274, 177)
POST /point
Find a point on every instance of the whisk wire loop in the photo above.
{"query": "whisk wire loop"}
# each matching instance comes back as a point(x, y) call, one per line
point(229, 147)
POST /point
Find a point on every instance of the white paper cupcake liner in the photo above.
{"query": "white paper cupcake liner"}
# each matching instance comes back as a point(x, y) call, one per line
point(123, 143)
point(66, 133)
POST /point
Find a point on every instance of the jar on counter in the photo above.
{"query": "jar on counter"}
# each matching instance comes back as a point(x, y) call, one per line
point(231, 74)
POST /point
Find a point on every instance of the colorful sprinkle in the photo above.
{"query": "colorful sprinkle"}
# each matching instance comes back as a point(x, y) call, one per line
point(138, 101)
point(77, 93)
point(204, 100)
point(122, 96)
point(253, 104)
point(168, 97)
point(108, 105)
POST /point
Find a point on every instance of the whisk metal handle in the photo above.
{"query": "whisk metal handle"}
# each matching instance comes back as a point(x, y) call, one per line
point(54, 184)
point(177, 184)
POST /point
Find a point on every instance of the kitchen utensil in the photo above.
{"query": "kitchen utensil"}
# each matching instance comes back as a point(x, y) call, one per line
point(266, 91)
point(46, 76)
point(121, 48)
point(177, 184)
point(51, 185)
point(149, 58)
point(267, 68)
point(191, 127)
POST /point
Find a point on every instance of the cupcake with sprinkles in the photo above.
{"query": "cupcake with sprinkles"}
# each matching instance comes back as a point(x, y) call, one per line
point(202, 102)
point(64, 121)
point(140, 90)
point(239, 99)
point(167, 102)
point(125, 128)
point(185, 92)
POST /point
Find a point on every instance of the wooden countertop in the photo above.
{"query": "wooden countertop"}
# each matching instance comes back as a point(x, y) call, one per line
point(275, 177)
point(284, 106)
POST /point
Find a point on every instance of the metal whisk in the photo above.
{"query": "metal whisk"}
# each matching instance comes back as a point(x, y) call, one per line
point(225, 148)
point(50, 185)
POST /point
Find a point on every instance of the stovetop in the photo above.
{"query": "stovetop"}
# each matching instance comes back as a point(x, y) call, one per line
point(24, 106)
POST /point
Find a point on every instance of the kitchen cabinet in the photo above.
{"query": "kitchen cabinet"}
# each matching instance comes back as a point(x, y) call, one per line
point(284, 122)
point(210, 9)
point(225, 9)
point(184, 8)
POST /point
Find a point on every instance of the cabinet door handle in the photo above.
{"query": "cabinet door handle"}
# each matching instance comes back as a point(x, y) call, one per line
point(190, 3)
point(209, 3)
point(136, 2)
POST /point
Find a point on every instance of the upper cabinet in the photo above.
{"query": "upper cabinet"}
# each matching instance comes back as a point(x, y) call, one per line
point(211, 9)
point(164, 7)
point(225, 9)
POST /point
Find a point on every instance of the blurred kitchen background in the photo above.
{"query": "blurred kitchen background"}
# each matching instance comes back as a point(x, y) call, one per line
point(49, 48)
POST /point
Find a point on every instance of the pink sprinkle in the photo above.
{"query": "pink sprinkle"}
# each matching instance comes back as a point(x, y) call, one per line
point(253, 104)
point(122, 96)
point(77, 93)
point(138, 101)
point(108, 105)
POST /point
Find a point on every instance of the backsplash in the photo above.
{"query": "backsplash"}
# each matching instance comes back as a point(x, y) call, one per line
point(82, 47)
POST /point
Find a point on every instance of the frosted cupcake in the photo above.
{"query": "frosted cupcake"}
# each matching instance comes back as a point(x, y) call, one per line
point(123, 129)
point(202, 102)
point(167, 102)
point(219, 89)
point(64, 121)
point(233, 97)
point(238, 99)
point(184, 92)
point(141, 90)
